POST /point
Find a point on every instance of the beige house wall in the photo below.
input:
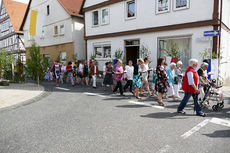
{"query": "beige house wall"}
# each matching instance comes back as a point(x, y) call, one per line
point(55, 51)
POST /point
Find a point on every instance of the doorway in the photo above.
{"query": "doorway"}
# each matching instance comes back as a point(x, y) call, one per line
point(132, 50)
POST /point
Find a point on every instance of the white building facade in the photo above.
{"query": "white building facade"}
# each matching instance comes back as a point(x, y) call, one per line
point(59, 29)
point(156, 25)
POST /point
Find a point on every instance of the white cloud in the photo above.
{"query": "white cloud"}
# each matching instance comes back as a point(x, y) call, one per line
point(22, 1)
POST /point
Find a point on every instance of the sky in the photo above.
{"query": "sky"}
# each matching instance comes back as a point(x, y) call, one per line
point(23, 1)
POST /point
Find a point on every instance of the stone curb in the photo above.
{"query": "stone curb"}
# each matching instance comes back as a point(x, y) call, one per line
point(45, 92)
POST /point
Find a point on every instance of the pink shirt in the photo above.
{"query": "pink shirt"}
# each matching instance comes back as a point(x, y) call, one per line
point(118, 77)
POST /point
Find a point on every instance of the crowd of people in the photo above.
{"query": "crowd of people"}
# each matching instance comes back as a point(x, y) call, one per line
point(166, 80)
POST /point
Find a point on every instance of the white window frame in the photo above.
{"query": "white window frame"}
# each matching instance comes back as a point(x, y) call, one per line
point(106, 8)
point(60, 33)
point(54, 34)
point(65, 58)
point(182, 8)
point(92, 15)
point(126, 10)
point(102, 45)
point(161, 12)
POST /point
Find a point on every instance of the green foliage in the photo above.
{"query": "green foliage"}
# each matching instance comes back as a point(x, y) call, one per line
point(205, 54)
point(118, 54)
point(124, 61)
point(172, 50)
point(58, 59)
point(75, 57)
point(6, 60)
point(144, 52)
point(93, 56)
point(36, 64)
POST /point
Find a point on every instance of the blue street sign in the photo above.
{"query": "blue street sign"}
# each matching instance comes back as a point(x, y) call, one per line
point(211, 33)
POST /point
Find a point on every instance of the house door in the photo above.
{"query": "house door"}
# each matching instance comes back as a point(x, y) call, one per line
point(132, 53)
point(132, 50)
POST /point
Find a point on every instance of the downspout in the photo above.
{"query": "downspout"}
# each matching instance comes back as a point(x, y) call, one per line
point(86, 46)
point(221, 10)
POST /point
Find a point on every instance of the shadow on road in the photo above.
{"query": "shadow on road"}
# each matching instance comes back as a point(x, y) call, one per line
point(219, 134)
point(166, 115)
point(131, 106)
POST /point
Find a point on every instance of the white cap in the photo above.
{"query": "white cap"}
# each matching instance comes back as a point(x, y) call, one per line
point(179, 63)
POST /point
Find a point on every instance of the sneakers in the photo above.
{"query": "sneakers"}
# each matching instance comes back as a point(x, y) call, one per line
point(202, 115)
point(181, 112)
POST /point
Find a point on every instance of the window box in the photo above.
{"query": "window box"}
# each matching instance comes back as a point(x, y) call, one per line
point(162, 6)
point(181, 4)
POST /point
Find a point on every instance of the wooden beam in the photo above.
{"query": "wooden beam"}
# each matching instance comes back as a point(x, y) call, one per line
point(157, 29)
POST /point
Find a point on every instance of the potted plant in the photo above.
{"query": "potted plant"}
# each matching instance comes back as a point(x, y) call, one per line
point(173, 52)
point(118, 55)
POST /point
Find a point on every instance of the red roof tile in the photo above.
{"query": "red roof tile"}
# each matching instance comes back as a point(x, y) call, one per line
point(16, 12)
point(72, 6)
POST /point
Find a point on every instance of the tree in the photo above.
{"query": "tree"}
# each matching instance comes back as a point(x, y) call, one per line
point(34, 63)
point(144, 51)
point(6, 60)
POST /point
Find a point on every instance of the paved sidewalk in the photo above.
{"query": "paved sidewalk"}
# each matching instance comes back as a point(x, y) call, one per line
point(18, 93)
point(226, 91)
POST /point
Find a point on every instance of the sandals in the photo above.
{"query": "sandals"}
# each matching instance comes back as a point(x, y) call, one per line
point(161, 103)
point(138, 97)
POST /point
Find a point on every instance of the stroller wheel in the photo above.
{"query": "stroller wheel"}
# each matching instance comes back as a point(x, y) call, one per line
point(221, 105)
point(215, 107)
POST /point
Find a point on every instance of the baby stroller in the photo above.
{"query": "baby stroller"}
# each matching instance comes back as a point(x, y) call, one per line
point(213, 93)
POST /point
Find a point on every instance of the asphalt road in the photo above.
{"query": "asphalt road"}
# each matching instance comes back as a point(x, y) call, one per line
point(86, 120)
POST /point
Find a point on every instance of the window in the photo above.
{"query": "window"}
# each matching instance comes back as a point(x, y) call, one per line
point(98, 51)
point(5, 26)
point(11, 41)
point(63, 56)
point(95, 18)
point(62, 29)
point(130, 9)
point(47, 56)
point(132, 43)
point(48, 10)
point(42, 34)
point(105, 16)
point(102, 51)
point(107, 51)
point(55, 30)
point(183, 44)
point(181, 4)
point(162, 6)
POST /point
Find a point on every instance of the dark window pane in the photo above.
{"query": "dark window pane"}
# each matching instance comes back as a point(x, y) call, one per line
point(48, 9)
point(95, 18)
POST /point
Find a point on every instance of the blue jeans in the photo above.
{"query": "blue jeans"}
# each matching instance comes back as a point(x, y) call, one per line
point(186, 99)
